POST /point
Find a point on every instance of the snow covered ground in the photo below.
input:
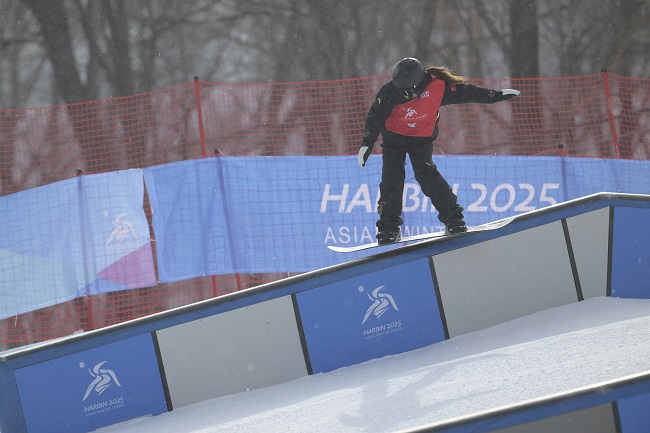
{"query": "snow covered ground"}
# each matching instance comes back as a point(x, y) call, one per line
point(548, 352)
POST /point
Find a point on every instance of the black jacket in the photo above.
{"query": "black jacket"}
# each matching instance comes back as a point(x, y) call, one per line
point(388, 97)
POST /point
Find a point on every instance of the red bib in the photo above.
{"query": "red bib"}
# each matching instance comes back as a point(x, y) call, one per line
point(417, 118)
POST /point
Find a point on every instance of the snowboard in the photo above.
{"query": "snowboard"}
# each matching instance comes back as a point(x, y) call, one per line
point(426, 236)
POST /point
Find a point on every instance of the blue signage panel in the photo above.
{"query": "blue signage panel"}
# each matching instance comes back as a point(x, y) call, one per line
point(95, 388)
point(631, 255)
point(390, 311)
point(633, 413)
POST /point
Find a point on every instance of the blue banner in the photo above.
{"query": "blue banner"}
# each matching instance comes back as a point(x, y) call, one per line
point(95, 388)
point(278, 214)
point(73, 238)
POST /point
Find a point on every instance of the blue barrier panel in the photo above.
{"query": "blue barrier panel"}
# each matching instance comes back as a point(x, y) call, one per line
point(92, 389)
point(633, 413)
point(631, 254)
point(389, 311)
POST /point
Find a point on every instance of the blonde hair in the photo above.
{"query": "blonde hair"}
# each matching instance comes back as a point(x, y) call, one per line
point(444, 74)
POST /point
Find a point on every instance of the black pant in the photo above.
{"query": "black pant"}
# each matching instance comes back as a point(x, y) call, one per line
point(427, 175)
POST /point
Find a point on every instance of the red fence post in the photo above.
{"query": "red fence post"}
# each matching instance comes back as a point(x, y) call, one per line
point(608, 101)
point(218, 153)
point(88, 300)
point(199, 114)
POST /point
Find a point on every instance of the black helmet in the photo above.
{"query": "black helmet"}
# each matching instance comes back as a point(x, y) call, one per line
point(408, 73)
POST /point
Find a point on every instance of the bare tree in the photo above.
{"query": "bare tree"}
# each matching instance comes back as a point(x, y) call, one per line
point(58, 42)
point(524, 37)
point(625, 31)
point(57, 39)
point(125, 47)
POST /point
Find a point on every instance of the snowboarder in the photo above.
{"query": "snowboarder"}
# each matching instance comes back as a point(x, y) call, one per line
point(406, 112)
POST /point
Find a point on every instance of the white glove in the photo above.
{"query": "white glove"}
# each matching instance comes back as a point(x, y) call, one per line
point(364, 153)
point(510, 93)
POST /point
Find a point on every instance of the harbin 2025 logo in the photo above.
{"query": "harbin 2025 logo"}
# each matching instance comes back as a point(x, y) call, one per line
point(381, 301)
point(101, 380)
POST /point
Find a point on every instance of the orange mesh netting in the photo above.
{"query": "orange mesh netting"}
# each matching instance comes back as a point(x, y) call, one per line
point(596, 116)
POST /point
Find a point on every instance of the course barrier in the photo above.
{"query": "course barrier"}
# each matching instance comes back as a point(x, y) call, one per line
point(389, 303)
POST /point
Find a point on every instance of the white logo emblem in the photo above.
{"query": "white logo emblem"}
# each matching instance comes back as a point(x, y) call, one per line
point(103, 378)
point(122, 229)
point(381, 302)
point(411, 125)
point(410, 113)
point(425, 94)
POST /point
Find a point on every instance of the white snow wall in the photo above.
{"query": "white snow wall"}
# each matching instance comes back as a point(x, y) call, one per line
point(393, 302)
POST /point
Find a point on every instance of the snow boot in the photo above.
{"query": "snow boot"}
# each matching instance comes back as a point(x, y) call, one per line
point(453, 220)
point(388, 235)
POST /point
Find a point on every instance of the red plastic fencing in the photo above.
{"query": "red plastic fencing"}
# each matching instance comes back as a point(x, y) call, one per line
point(601, 115)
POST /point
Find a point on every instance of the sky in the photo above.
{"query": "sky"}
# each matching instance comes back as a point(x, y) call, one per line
point(548, 352)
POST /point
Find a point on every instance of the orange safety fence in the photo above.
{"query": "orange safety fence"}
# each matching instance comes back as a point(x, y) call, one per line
point(596, 116)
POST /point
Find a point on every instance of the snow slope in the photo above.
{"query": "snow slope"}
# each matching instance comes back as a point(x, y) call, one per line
point(548, 352)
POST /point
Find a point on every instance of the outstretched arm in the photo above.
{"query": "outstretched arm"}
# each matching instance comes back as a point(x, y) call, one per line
point(464, 93)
